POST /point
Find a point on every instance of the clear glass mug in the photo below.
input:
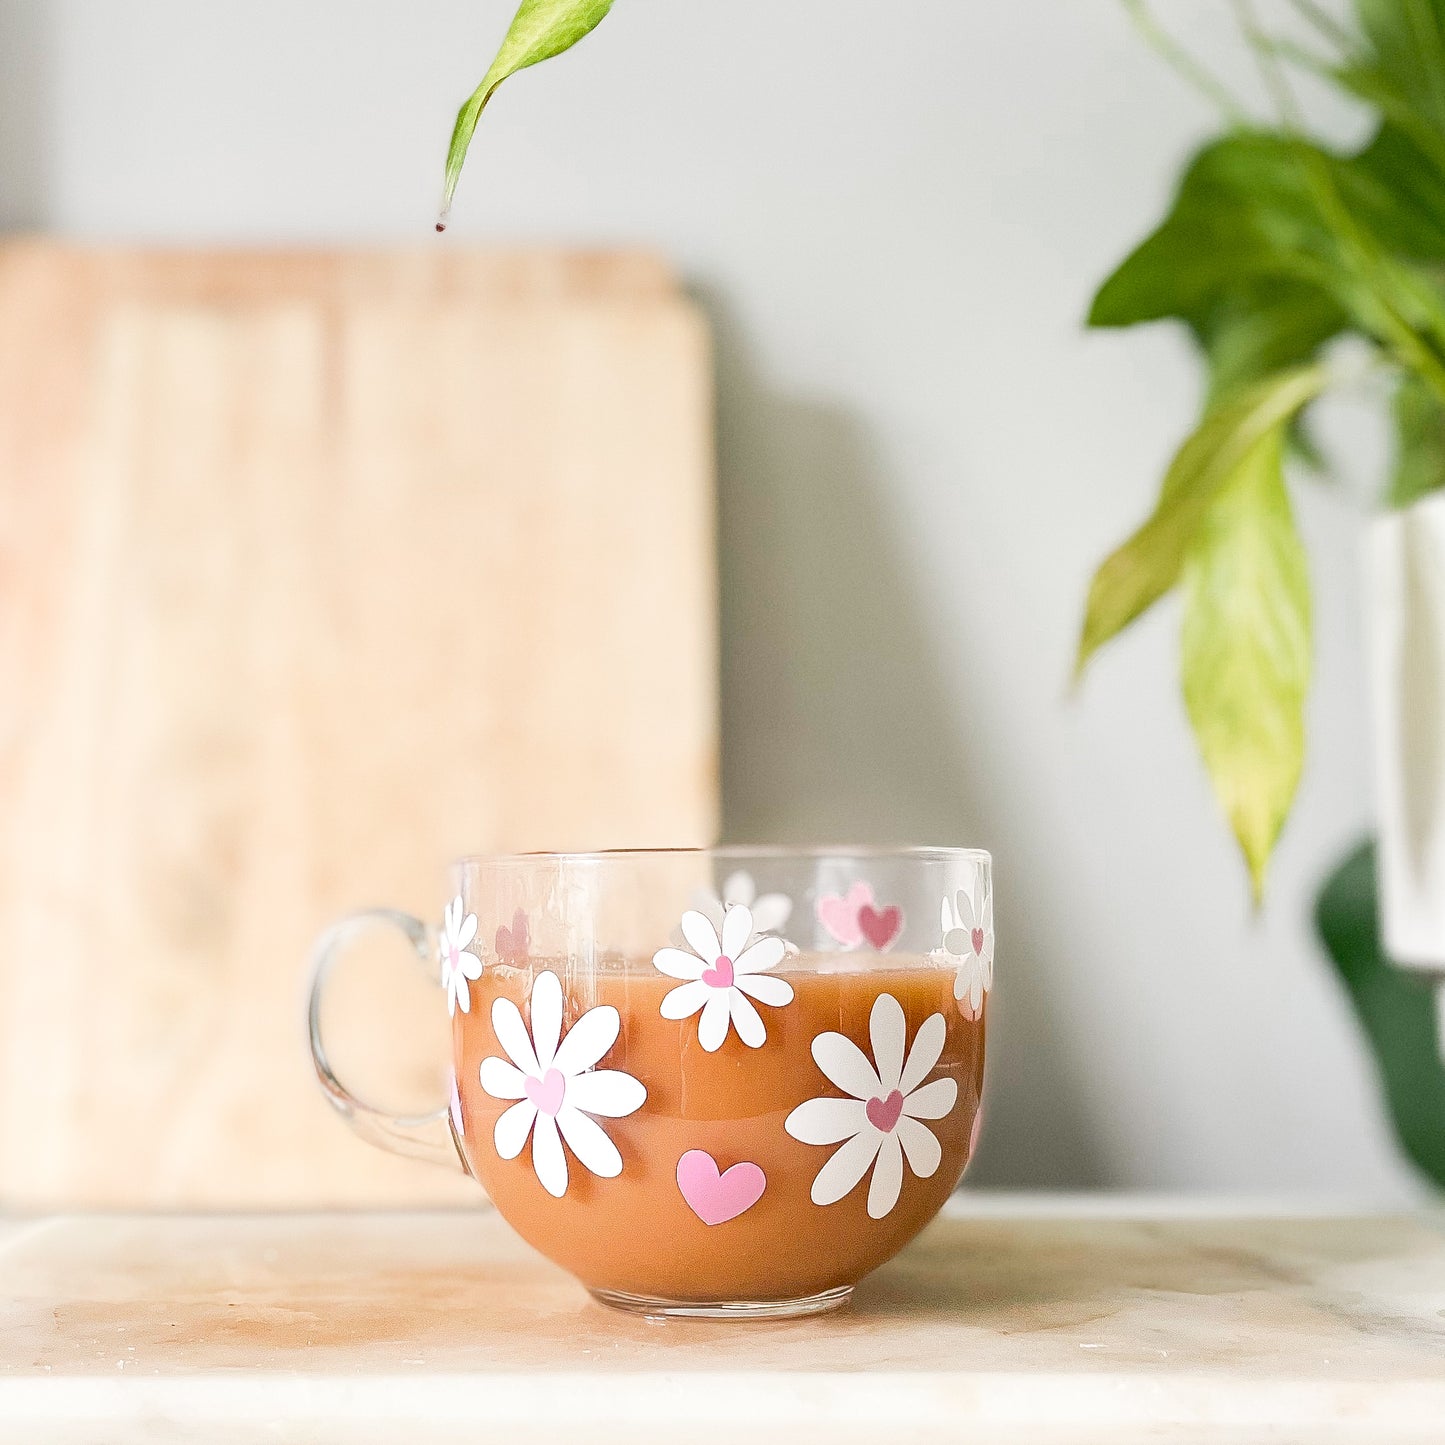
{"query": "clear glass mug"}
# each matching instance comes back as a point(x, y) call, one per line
point(725, 1082)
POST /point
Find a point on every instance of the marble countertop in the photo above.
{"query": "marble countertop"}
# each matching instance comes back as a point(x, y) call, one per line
point(1028, 1321)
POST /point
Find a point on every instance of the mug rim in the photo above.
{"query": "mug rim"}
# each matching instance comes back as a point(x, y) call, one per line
point(922, 853)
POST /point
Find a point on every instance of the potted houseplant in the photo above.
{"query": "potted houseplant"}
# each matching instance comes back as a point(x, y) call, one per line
point(1277, 248)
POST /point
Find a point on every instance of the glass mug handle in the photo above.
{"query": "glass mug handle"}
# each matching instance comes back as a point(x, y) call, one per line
point(419, 1136)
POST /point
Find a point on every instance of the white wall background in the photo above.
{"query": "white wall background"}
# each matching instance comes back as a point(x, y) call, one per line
point(895, 213)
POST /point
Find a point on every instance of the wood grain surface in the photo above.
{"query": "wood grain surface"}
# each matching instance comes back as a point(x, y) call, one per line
point(315, 571)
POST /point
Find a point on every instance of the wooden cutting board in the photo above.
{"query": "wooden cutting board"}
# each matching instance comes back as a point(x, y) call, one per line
point(315, 571)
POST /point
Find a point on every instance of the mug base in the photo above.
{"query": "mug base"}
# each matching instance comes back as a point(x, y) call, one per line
point(778, 1309)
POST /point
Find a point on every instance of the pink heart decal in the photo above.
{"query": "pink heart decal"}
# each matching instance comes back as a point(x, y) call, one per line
point(546, 1093)
point(720, 975)
point(839, 915)
point(883, 1113)
point(880, 926)
point(976, 937)
point(512, 943)
point(716, 1198)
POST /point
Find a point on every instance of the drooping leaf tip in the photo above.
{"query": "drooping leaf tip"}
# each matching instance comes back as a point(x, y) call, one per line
point(1258, 870)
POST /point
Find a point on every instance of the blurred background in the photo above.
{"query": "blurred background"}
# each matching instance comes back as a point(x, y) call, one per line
point(892, 231)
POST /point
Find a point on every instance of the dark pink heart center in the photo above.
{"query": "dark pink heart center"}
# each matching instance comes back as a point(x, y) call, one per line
point(720, 975)
point(883, 1113)
point(880, 926)
point(978, 940)
point(546, 1093)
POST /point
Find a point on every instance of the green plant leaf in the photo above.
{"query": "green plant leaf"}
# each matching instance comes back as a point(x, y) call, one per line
point(1260, 291)
point(1246, 648)
point(1407, 147)
point(539, 30)
point(1257, 211)
point(1398, 190)
point(1396, 1007)
point(1244, 212)
point(1141, 571)
point(1419, 466)
point(1408, 41)
point(1262, 327)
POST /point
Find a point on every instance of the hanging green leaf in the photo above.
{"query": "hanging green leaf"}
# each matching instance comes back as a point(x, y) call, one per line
point(1140, 572)
point(539, 30)
point(1246, 648)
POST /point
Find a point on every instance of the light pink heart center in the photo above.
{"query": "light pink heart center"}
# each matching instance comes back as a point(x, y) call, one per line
point(453, 954)
point(716, 1198)
point(720, 975)
point(839, 915)
point(978, 940)
point(883, 1113)
point(546, 1093)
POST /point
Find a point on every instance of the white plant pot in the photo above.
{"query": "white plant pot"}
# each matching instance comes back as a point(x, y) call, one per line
point(1406, 606)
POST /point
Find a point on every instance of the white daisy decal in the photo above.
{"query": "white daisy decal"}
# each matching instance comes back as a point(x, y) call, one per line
point(557, 1087)
point(880, 1119)
point(458, 966)
point(723, 973)
point(770, 912)
point(968, 945)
